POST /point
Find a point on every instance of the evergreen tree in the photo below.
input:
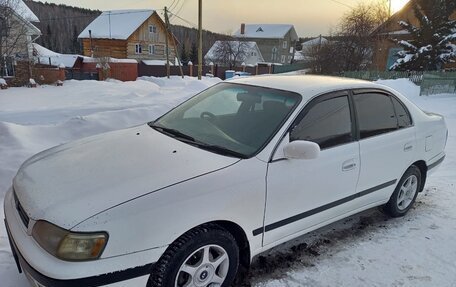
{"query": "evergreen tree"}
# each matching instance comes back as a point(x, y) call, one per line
point(49, 38)
point(431, 44)
point(194, 54)
point(76, 47)
point(184, 55)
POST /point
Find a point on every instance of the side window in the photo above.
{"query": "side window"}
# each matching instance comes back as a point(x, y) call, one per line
point(403, 116)
point(375, 113)
point(328, 124)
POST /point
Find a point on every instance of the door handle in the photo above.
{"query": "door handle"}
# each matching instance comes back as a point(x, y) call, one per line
point(349, 165)
point(408, 147)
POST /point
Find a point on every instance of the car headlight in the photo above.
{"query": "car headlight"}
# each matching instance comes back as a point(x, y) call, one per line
point(70, 246)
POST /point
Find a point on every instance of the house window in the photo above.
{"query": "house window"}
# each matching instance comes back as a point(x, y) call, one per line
point(289, 59)
point(283, 59)
point(153, 33)
point(285, 44)
point(138, 49)
point(274, 54)
point(151, 49)
point(254, 54)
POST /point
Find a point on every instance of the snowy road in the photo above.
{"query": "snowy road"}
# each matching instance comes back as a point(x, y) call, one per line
point(369, 249)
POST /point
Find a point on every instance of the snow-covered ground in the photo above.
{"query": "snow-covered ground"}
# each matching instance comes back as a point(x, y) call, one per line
point(368, 249)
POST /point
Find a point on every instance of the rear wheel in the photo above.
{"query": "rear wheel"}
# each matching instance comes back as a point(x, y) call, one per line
point(405, 193)
point(207, 256)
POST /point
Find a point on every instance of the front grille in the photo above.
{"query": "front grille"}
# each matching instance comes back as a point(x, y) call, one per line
point(23, 215)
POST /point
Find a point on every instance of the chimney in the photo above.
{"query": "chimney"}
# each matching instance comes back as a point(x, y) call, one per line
point(242, 29)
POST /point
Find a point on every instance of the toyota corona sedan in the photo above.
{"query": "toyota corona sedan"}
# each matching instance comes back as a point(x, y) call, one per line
point(192, 197)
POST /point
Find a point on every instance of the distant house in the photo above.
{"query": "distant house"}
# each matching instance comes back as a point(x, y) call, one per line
point(234, 51)
point(309, 48)
point(127, 34)
point(276, 41)
point(386, 49)
point(17, 34)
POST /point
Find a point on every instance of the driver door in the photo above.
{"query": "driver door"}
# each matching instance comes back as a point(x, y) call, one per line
point(304, 193)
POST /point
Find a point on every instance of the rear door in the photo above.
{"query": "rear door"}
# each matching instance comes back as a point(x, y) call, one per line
point(386, 140)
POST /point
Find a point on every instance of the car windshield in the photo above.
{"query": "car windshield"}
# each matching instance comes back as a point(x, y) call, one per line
point(230, 119)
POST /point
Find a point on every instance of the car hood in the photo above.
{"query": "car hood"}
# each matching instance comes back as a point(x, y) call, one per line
point(72, 182)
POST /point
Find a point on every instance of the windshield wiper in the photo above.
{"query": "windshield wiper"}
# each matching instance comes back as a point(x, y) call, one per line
point(221, 150)
point(172, 132)
point(188, 139)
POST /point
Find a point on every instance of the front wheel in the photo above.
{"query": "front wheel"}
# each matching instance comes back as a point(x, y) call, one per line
point(405, 193)
point(206, 256)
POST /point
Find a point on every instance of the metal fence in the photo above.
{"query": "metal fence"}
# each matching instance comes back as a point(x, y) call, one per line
point(438, 83)
point(415, 77)
point(278, 69)
point(431, 83)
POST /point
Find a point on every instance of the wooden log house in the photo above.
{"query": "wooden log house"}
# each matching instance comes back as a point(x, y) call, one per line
point(127, 34)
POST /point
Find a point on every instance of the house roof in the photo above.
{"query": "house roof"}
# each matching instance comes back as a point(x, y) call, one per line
point(267, 31)
point(234, 44)
point(22, 10)
point(314, 42)
point(118, 24)
point(45, 56)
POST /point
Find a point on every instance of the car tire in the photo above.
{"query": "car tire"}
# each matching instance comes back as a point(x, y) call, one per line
point(405, 194)
point(199, 256)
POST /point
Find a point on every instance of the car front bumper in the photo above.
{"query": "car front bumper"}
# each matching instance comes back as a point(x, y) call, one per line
point(44, 270)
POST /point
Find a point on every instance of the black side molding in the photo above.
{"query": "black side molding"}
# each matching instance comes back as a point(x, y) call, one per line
point(325, 207)
point(431, 166)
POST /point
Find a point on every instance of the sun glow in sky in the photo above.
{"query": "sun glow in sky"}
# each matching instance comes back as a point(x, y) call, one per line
point(397, 5)
point(310, 17)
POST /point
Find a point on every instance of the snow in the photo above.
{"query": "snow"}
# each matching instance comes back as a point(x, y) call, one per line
point(269, 31)
point(252, 52)
point(22, 10)
point(368, 249)
point(44, 55)
point(117, 24)
point(110, 60)
point(2, 81)
point(314, 42)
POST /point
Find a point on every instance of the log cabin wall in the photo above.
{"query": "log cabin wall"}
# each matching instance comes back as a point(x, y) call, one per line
point(151, 36)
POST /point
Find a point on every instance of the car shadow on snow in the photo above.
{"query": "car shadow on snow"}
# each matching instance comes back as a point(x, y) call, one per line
point(304, 252)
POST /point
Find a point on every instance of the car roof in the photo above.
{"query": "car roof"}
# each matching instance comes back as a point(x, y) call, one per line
point(307, 85)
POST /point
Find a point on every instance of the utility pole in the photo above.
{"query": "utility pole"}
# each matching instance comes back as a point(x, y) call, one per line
point(166, 43)
point(200, 40)
point(390, 5)
point(168, 32)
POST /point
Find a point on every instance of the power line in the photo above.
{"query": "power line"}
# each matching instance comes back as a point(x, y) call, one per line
point(88, 16)
point(342, 3)
point(174, 5)
point(186, 21)
point(180, 9)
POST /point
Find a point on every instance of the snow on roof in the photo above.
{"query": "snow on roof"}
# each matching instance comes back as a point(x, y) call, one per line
point(250, 45)
point(110, 60)
point(46, 56)
point(22, 10)
point(275, 31)
point(117, 24)
point(314, 42)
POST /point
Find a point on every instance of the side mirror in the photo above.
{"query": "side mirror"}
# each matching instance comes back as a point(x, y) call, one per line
point(301, 150)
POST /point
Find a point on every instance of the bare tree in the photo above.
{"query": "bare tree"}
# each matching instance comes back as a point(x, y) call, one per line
point(351, 46)
point(229, 53)
point(14, 37)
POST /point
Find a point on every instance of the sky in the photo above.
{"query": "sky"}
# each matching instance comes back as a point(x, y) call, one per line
point(310, 17)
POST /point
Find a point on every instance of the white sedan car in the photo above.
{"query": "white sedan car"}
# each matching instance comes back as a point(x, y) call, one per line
point(191, 198)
